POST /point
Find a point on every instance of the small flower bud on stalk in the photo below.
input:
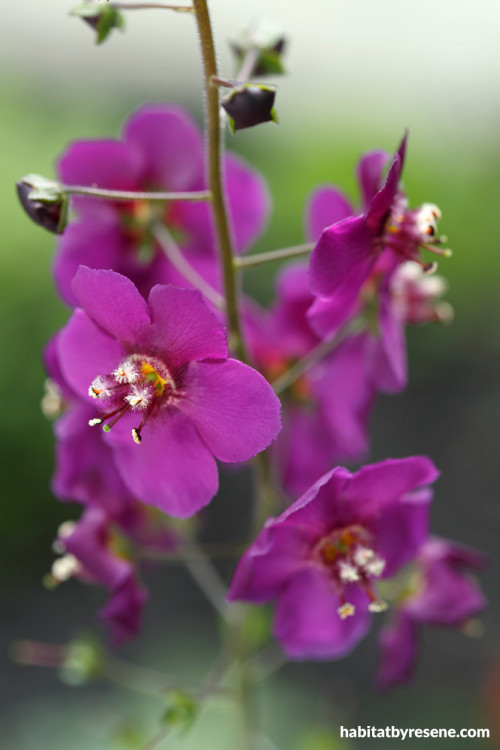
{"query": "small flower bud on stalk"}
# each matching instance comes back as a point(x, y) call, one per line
point(265, 46)
point(44, 201)
point(102, 18)
point(250, 104)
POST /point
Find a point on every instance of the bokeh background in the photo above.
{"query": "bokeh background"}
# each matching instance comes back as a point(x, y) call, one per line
point(359, 73)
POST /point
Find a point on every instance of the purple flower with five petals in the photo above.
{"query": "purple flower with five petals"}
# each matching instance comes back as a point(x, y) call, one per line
point(158, 373)
point(350, 246)
point(161, 149)
point(322, 557)
point(441, 592)
point(89, 556)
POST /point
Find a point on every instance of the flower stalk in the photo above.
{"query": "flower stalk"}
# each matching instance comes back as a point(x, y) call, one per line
point(132, 195)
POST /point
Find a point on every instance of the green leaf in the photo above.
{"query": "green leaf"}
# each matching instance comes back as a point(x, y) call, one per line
point(109, 19)
point(182, 710)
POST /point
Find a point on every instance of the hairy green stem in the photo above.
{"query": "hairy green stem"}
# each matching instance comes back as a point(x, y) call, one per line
point(151, 6)
point(252, 261)
point(214, 159)
point(131, 195)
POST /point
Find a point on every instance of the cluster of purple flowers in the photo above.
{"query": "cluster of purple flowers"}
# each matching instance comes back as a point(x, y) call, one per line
point(149, 396)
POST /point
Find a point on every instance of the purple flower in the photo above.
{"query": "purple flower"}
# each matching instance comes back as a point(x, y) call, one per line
point(162, 149)
point(158, 373)
point(89, 556)
point(322, 557)
point(348, 250)
point(440, 592)
point(325, 412)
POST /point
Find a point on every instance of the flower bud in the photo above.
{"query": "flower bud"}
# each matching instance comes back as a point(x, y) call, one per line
point(44, 201)
point(102, 18)
point(250, 104)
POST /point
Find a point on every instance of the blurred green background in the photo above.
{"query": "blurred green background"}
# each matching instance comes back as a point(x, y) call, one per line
point(359, 73)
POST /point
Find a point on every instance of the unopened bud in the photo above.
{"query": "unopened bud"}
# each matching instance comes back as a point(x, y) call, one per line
point(44, 201)
point(265, 44)
point(250, 104)
point(102, 18)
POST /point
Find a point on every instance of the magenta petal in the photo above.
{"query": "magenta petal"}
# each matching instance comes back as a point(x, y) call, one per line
point(279, 552)
point(369, 173)
point(105, 164)
point(233, 407)
point(401, 528)
point(388, 351)
point(343, 258)
point(307, 622)
point(171, 468)
point(184, 328)
point(382, 202)
point(169, 145)
point(124, 610)
point(398, 651)
point(377, 485)
point(114, 303)
point(326, 314)
point(249, 202)
point(85, 352)
point(97, 244)
point(327, 206)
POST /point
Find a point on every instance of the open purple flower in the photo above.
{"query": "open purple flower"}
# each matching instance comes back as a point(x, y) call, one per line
point(88, 554)
point(322, 557)
point(440, 592)
point(159, 374)
point(161, 149)
point(325, 412)
point(349, 248)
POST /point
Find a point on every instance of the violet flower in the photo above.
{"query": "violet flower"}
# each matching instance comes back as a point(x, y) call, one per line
point(348, 250)
point(325, 412)
point(441, 592)
point(322, 557)
point(88, 554)
point(161, 149)
point(159, 375)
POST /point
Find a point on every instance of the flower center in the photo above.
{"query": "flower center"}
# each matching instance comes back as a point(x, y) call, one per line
point(139, 217)
point(409, 230)
point(347, 556)
point(139, 384)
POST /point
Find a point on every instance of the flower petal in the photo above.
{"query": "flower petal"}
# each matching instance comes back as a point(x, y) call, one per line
point(398, 651)
point(169, 145)
point(307, 622)
point(369, 174)
point(342, 259)
point(114, 303)
point(184, 328)
point(233, 407)
point(374, 486)
point(171, 469)
point(327, 206)
point(85, 351)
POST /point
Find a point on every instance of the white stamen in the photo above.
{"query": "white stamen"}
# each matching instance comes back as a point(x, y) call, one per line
point(427, 218)
point(346, 610)
point(348, 572)
point(93, 422)
point(363, 555)
point(378, 606)
point(65, 567)
point(99, 389)
point(127, 372)
point(376, 566)
point(52, 400)
point(140, 398)
point(66, 529)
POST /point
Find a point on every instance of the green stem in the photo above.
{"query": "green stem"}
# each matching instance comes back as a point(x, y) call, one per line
point(208, 580)
point(151, 6)
point(251, 261)
point(214, 159)
point(131, 195)
point(315, 356)
point(177, 259)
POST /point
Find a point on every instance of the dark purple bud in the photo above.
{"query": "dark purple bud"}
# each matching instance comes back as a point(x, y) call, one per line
point(250, 104)
point(44, 201)
point(102, 18)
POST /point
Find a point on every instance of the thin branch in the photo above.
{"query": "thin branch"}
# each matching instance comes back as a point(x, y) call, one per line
point(215, 179)
point(177, 259)
point(216, 550)
point(252, 261)
point(131, 195)
point(152, 6)
point(208, 580)
point(314, 356)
